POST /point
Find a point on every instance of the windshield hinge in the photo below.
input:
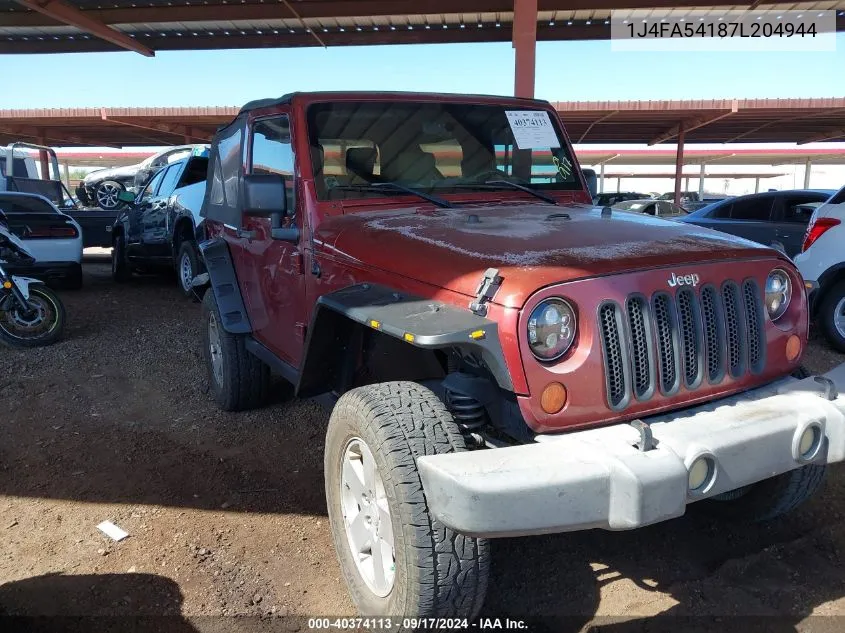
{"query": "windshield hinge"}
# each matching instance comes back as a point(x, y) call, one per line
point(486, 290)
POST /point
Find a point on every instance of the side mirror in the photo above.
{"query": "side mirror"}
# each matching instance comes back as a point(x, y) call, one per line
point(592, 181)
point(126, 196)
point(265, 195)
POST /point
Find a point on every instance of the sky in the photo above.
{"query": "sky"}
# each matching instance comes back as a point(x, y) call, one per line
point(566, 71)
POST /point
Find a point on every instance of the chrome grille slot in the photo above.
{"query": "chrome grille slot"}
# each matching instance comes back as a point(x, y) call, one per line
point(616, 372)
point(735, 328)
point(689, 321)
point(666, 328)
point(714, 334)
point(754, 319)
point(642, 343)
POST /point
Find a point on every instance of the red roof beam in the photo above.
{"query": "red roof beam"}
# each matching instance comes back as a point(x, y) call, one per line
point(67, 14)
point(689, 125)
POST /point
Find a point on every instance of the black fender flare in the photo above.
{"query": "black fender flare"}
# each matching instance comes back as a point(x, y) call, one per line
point(224, 284)
point(423, 323)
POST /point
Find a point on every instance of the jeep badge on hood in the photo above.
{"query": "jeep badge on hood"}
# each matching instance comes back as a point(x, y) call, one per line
point(683, 280)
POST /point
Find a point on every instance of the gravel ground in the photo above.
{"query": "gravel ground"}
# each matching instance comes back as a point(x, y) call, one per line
point(226, 513)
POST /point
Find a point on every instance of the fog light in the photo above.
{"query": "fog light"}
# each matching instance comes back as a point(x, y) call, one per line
point(700, 473)
point(793, 348)
point(809, 442)
point(553, 397)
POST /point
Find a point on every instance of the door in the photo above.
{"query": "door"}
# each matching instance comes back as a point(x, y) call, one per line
point(793, 212)
point(154, 234)
point(276, 298)
point(136, 213)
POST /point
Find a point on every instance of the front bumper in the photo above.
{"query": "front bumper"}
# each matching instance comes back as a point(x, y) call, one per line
point(599, 479)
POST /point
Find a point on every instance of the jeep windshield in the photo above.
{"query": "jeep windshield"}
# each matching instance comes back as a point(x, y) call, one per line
point(436, 148)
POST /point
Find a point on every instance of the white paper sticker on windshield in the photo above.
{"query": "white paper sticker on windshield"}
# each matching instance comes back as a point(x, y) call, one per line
point(532, 129)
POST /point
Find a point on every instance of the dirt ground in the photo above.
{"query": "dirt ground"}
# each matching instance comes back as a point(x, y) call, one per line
point(226, 513)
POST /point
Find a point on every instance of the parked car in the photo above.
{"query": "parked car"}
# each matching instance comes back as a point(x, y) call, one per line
point(611, 199)
point(822, 264)
point(101, 188)
point(22, 166)
point(161, 226)
point(497, 310)
point(776, 217)
point(51, 237)
point(660, 208)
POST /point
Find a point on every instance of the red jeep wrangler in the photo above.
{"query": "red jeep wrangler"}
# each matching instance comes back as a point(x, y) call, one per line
point(505, 358)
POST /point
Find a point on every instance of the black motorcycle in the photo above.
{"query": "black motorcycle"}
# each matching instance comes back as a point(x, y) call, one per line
point(31, 314)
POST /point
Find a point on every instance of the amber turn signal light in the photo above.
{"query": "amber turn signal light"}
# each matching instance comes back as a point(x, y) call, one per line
point(793, 348)
point(553, 397)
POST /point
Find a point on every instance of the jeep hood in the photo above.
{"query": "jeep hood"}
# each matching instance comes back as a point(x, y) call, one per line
point(531, 245)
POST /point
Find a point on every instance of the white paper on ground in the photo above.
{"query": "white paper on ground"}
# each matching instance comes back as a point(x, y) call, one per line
point(532, 129)
point(112, 531)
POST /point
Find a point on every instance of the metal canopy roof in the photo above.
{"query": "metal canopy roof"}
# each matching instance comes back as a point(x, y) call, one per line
point(705, 121)
point(774, 157)
point(58, 26)
point(113, 127)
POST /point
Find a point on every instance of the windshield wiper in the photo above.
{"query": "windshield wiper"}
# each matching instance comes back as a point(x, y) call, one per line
point(377, 186)
point(513, 185)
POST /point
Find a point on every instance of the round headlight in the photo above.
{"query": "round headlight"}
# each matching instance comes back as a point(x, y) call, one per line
point(778, 293)
point(551, 329)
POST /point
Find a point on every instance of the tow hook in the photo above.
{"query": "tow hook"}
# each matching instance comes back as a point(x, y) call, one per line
point(646, 442)
point(486, 290)
point(822, 386)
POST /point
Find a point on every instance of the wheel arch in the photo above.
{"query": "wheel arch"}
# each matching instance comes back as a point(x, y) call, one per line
point(416, 334)
point(827, 280)
point(183, 230)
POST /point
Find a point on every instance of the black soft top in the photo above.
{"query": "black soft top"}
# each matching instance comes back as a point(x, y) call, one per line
point(287, 98)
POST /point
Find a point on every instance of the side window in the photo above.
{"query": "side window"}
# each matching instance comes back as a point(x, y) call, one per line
point(272, 153)
point(168, 183)
point(758, 209)
point(195, 171)
point(151, 188)
point(798, 209)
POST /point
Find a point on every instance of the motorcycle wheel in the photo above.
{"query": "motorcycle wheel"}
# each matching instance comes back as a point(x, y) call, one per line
point(42, 324)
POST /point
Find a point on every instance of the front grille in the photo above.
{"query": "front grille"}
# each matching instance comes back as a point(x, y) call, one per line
point(690, 337)
point(614, 361)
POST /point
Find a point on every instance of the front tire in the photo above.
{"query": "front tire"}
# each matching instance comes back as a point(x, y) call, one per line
point(42, 326)
point(187, 267)
point(107, 193)
point(770, 498)
point(238, 380)
point(831, 316)
point(375, 495)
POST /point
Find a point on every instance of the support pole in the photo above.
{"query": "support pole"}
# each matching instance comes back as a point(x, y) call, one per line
point(601, 178)
point(686, 184)
point(701, 182)
point(757, 184)
point(679, 162)
point(43, 156)
point(619, 184)
point(808, 168)
point(66, 168)
point(525, 46)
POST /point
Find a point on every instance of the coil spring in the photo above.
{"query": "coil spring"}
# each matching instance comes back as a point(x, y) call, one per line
point(468, 412)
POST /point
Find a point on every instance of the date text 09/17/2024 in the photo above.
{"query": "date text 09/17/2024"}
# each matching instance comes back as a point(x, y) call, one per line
point(433, 624)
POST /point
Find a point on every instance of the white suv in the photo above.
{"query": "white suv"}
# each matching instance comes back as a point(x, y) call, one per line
point(822, 263)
